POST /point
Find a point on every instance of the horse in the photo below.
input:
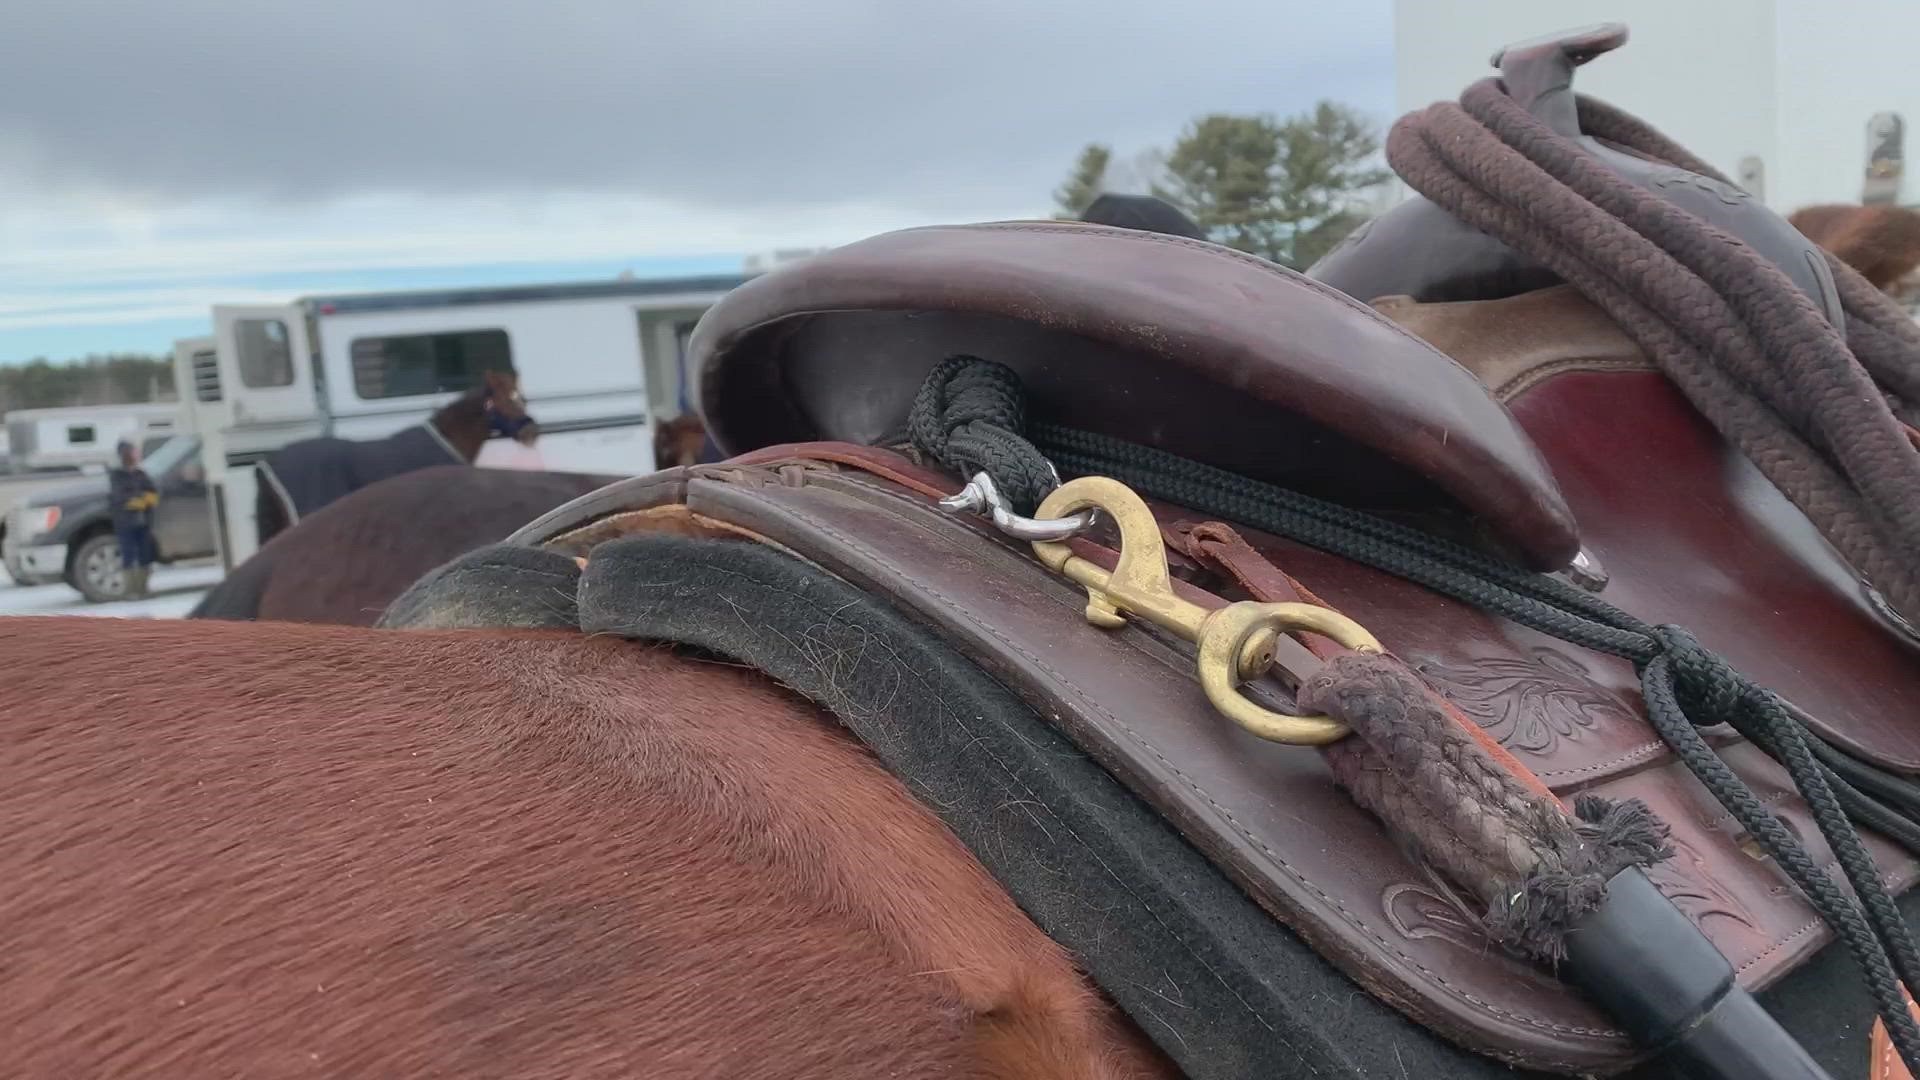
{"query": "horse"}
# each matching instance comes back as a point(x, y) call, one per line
point(344, 563)
point(302, 477)
point(680, 441)
point(1881, 242)
point(364, 853)
point(1009, 700)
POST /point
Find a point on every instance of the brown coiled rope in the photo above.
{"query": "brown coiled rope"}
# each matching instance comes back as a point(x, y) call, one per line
point(1811, 406)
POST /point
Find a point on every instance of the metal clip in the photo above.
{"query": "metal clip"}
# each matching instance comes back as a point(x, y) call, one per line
point(980, 496)
point(1586, 572)
point(1235, 643)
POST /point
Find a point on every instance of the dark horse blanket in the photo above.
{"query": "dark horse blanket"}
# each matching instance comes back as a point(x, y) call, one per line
point(309, 474)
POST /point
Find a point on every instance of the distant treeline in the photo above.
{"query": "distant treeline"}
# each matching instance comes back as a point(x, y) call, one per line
point(112, 379)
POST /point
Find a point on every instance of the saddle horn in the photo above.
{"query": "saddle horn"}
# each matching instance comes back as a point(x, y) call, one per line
point(1146, 213)
point(1418, 249)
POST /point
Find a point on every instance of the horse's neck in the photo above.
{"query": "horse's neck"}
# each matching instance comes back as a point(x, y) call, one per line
point(463, 423)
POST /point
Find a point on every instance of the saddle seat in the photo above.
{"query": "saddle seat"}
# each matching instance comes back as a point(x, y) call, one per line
point(1174, 343)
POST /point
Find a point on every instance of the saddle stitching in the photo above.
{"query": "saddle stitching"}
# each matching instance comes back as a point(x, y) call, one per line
point(1217, 251)
point(1534, 376)
point(1646, 751)
point(1292, 871)
point(1638, 755)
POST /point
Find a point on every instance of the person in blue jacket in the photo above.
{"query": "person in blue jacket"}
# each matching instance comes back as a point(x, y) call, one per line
point(132, 494)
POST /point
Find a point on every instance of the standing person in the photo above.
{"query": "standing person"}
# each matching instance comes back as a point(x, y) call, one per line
point(132, 494)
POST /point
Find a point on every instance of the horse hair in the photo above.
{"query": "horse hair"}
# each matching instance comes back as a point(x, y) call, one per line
point(250, 850)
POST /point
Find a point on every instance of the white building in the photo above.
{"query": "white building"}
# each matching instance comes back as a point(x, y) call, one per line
point(1788, 85)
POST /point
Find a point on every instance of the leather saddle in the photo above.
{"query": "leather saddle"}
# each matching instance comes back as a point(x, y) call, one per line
point(1534, 426)
point(1175, 343)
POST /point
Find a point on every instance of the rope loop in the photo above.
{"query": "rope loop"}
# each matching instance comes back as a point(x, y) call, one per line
point(970, 415)
point(1812, 405)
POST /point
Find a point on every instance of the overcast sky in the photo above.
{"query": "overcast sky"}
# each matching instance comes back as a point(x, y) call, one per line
point(156, 157)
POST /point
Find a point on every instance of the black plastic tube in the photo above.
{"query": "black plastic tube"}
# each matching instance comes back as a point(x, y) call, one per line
point(1652, 970)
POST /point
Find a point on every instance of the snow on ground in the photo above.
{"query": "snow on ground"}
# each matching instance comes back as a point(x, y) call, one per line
point(174, 589)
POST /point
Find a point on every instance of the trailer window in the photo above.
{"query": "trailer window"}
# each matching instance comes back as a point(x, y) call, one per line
point(410, 364)
point(266, 352)
point(80, 435)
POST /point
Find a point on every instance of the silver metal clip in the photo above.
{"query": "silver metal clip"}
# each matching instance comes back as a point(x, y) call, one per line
point(980, 496)
point(1586, 572)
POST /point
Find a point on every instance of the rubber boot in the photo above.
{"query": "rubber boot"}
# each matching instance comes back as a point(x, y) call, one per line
point(137, 582)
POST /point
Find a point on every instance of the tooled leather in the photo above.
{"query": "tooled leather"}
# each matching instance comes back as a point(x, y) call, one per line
point(1693, 534)
point(1779, 929)
point(1394, 926)
point(1689, 530)
point(1224, 548)
point(1275, 862)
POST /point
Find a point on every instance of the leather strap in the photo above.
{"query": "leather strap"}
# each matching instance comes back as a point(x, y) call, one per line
point(1883, 1062)
point(1220, 546)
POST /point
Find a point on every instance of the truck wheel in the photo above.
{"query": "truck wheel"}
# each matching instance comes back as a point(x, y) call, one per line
point(95, 569)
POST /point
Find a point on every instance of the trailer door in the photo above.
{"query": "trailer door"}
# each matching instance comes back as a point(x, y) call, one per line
point(266, 368)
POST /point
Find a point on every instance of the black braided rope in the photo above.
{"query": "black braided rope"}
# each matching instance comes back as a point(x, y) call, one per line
point(1685, 686)
point(970, 415)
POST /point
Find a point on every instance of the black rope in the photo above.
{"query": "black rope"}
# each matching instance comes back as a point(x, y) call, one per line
point(1685, 686)
point(970, 415)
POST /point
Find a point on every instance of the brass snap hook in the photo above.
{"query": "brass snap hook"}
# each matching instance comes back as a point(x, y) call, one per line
point(1234, 643)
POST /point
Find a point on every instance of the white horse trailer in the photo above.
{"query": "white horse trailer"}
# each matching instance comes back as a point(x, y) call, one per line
point(81, 435)
point(599, 363)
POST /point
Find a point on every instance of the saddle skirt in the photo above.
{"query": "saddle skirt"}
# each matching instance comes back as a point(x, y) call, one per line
point(1576, 427)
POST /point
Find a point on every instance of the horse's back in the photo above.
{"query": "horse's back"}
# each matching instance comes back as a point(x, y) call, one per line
point(313, 473)
point(343, 563)
point(1881, 242)
point(275, 848)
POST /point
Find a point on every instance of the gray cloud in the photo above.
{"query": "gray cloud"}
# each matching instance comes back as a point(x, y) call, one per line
point(976, 102)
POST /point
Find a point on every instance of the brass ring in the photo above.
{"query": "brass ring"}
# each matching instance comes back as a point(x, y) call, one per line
point(1225, 635)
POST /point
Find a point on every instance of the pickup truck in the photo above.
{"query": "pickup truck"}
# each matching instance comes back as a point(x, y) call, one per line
point(66, 533)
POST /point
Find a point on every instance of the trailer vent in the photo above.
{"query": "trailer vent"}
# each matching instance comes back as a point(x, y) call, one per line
point(206, 376)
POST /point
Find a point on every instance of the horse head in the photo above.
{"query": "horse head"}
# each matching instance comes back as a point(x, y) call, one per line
point(679, 441)
point(506, 407)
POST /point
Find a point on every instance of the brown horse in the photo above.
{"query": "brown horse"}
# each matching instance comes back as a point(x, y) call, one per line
point(1881, 242)
point(679, 441)
point(344, 563)
point(272, 849)
point(312, 473)
point(555, 852)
